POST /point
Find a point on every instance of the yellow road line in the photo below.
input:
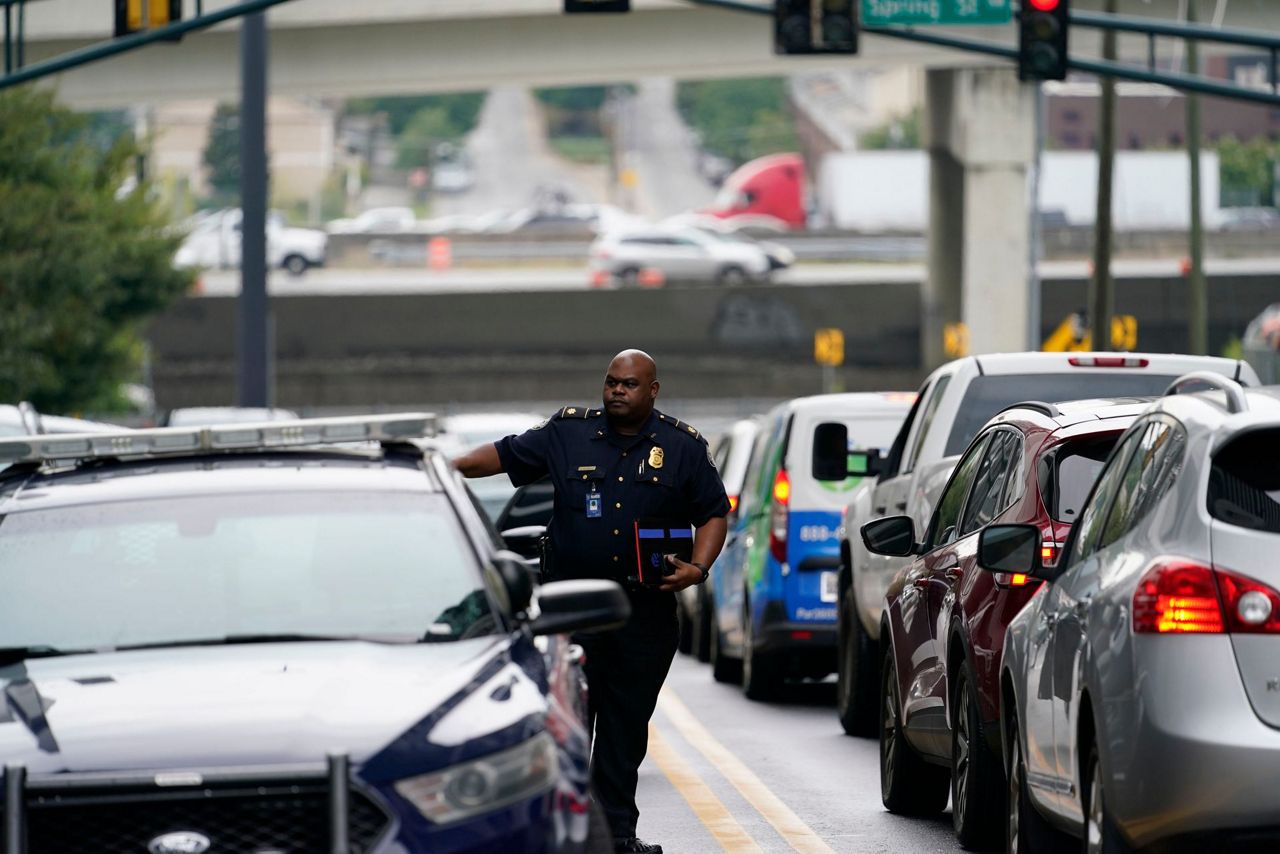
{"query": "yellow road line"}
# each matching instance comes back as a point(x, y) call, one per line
point(789, 825)
point(705, 805)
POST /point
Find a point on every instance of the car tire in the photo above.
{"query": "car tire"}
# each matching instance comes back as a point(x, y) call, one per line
point(1026, 830)
point(629, 277)
point(723, 668)
point(732, 276)
point(295, 264)
point(857, 672)
point(702, 627)
point(761, 672)
point(1101, 836)
point(685, 644)
point(908, 784)
point(977, 780)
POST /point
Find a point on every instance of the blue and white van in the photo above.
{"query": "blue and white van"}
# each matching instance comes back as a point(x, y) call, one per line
point(774, 586)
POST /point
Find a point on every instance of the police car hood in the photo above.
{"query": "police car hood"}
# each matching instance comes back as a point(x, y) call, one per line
point(225, 706)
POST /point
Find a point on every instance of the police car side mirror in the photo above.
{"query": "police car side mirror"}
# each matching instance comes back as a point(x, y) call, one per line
point(579, 605)
point(524, 540)
point(517, 579)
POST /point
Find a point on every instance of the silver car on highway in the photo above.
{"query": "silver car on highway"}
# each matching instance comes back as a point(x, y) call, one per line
point(653, 257)
point(1141, 687)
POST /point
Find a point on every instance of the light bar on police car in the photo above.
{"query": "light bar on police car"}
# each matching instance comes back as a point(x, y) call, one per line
point(167, 441)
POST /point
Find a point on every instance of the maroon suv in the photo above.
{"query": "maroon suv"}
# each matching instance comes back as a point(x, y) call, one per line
point(944, 619)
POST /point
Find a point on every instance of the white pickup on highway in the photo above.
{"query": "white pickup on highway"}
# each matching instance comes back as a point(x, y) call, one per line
point(214, 243)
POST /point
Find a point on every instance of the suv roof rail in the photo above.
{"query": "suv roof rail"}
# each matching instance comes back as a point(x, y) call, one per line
point(181, 441)
point(1038, 405)
point(1209, 381)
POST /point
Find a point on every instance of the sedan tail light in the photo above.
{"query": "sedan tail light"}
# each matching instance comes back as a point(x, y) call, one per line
point(1177, 597)
point(1251, 606)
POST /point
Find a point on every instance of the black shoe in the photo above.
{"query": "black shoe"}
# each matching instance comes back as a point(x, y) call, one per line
point(635, 845)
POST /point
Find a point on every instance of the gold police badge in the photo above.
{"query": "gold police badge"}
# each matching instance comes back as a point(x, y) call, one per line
point(655, 458)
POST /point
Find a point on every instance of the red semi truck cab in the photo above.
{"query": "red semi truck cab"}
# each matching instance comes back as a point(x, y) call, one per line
point(767, 188)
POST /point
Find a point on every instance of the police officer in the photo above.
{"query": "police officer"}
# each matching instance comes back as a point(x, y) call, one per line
point(612, 467)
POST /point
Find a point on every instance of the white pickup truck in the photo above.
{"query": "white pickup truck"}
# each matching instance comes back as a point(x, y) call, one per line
point(214, 243)
point(953, 404)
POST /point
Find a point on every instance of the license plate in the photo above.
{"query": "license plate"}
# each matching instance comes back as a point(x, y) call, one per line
point(829, 587)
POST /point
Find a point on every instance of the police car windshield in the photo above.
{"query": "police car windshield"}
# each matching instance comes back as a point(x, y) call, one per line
point(382, 566)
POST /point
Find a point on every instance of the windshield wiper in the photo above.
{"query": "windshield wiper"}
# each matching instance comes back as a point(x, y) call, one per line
point(15, 654)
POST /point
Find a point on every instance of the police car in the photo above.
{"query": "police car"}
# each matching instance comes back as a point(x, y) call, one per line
point(281, 637)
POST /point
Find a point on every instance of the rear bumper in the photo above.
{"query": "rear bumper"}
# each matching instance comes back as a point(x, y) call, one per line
point(777, 635)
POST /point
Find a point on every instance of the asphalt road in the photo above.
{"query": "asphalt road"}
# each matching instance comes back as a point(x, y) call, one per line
point(726, 773)
point(659, 146)
point(495, 279)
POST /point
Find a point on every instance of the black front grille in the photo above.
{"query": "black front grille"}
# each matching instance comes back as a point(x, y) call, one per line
point(281, 819)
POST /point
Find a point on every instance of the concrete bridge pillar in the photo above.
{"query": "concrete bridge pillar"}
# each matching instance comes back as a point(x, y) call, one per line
point(980, 132)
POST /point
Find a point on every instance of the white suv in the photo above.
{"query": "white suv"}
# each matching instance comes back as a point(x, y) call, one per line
point(686, 255)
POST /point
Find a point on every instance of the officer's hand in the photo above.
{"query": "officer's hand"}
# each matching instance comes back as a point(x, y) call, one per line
point(686, 575)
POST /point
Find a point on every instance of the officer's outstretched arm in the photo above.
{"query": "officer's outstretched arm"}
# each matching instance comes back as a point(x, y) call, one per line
point(480, 462)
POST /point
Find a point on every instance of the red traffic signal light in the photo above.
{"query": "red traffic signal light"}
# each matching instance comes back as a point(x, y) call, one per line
point(1044, 5)
point(1042, 39)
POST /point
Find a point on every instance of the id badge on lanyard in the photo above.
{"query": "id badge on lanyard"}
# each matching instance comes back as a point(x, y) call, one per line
point(593, 503)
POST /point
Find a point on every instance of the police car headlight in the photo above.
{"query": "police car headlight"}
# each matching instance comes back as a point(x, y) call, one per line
point(485, 784)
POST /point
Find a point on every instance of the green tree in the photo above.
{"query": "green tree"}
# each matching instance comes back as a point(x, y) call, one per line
point(1247, 170)
point(739, 119)
point(902, 132)
point(83, 264)
point(430, 126)
point(463, 109)
point(222, 155)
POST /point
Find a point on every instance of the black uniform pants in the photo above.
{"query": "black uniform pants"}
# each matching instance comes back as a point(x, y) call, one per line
point(625, 671)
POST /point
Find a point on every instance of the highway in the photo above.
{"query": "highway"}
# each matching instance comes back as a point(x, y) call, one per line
point(382, 281)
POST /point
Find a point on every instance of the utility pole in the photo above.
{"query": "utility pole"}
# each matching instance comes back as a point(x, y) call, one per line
point(1197, 289)
point(1101, 286)
point(254, 353)
point(1034, 333)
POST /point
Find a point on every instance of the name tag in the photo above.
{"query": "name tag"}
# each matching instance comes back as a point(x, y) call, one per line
point(593, 505)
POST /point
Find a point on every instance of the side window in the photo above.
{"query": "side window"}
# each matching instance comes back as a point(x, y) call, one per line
point(755, 490)
point(994, 485)
point(942, 530)
point(1089, 528)
point(893, 462)
point(926, 419)
point(1153, 469)
point(722, 454)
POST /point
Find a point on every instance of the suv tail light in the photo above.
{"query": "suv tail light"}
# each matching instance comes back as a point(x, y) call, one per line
point(1177, 597)
point(733, 504)
point(779, 516)
point(1251, 606)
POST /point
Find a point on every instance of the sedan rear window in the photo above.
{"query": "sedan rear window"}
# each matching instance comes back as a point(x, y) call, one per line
point(989, 394)
point(1244, 482)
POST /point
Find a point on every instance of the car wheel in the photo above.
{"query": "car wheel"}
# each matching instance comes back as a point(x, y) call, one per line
point(629, 277)
point(857, 685)
point(732, 277)
point(685, 644)
point(1101, 836)
point(1026, 831)
point(908, 784)
point(295, 264)
point(723, 668)
point(761, 672)
point(702, 628)
point(976, 775)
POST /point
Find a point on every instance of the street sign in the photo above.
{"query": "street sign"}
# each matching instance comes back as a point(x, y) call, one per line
point(881, 13)
point(828, 347)
point(955, 340)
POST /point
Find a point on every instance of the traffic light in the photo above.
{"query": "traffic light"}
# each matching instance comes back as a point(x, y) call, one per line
point(133, 16)
point(815, 26)
point(575, 6)
point(1042, 40)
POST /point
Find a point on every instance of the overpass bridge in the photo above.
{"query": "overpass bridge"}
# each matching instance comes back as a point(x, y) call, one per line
point(387, 47)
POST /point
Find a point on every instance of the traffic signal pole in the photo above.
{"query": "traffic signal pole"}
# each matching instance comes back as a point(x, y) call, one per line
point(1101, 286)
point(253, 387)
point(1197, 288)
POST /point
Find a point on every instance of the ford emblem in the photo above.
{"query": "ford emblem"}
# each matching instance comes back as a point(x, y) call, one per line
point(182, 842)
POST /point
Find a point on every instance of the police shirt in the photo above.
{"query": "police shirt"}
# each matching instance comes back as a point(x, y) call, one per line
point(605, 481)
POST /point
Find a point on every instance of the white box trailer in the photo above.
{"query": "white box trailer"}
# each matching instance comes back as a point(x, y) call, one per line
point(879, 191)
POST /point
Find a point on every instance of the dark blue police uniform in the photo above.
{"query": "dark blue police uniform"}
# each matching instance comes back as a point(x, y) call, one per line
point(605, 482)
